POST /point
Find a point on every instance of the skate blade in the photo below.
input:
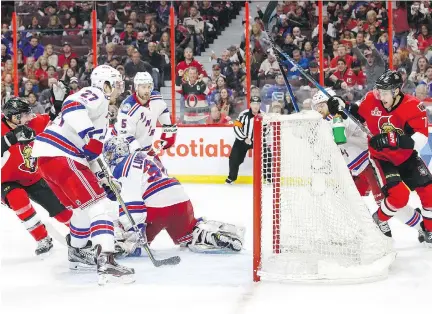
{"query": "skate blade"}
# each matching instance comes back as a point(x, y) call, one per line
point(106, 278)
point(80, 267)
point(427, 245)
point(45, 255)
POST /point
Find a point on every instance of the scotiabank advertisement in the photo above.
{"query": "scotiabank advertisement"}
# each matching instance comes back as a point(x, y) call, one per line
point(201, 155)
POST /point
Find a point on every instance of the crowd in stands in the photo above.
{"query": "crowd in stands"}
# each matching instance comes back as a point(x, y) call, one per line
point(54, 43)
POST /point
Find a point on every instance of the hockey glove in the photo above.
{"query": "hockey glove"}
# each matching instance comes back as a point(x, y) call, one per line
point(92, 149)
point(107, 187)
point(21, 134)
point(336, 105)
point(168, 137)
point(385, 140)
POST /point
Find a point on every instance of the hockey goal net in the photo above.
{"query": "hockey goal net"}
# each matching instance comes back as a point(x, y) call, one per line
point(310, 223)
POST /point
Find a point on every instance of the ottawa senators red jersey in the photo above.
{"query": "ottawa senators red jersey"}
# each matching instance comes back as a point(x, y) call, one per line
point(17, 164)
point(407, 118)
point(348, 76)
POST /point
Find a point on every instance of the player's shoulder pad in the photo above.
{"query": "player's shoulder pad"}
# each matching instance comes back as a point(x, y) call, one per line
point(155, 95)
point(127, 104)
point(415, 107)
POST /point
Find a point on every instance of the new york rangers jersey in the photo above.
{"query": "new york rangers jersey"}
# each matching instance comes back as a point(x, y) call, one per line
point(84, 115)
point(145, 182)
point(355, 150)
point(137, 121)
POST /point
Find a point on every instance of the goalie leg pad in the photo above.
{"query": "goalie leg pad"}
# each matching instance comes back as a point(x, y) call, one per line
point(216, 238)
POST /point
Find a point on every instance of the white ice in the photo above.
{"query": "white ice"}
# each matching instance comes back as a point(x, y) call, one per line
point(203, 284)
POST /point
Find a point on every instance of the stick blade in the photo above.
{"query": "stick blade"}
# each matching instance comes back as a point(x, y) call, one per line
point(174, 260)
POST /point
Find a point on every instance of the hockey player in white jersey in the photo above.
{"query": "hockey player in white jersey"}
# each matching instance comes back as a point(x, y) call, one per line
point(157, 201)
point(355, 153)
point(139, 113)
point(67, 152)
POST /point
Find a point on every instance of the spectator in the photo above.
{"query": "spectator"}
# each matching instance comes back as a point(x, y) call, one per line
point(288, 47)
point(401, 26)
point(141, 44)
point(269, 68)
point(157, 62)
point(153, 34)
point(421, 92)
point(216, 72)
point(194, 91)
point(51, 56)
point(360, 41)
point(115, 61)
point(137, 24)
point(42, 68)
point(382, 44)
point(277, 93)
point(54, 26)
point(234, 78)
point(8, 68)
point(299, 60)
point(408, 87)
point(308, 51)
point(34, 28)
point(46, 94)
point(73, 28)
point(372, 61)
point(66, 56)
point(328, 27)
point(109, 49)
point(195, 24)
point(342, 54)
point(113, 20)
point(259, 40)
point(33, 49)
point(30, 70)
point(299, 39)
point(73, 85)
point(424, 39)
point(428, 80)
point(35, 106)
point(221, 83)
point(216, 117)
point(52, 73)
point(67, 75)
point(74, 64)
point(163, 12)
point(129, 35)
point(225, 102)
point(109, 35)
point(164, 45)
point(188, 62)
point(343, 75)
point(85, 74)
point(4, 55)
point(418, 73)
point(137, 65)
point(28, 88)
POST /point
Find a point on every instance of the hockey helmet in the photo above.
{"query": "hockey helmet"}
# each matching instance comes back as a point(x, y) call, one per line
point(320, 97)
point(115, 149)
point(389, 80)
point(143, 78)
point(16, 106)
point(105, 74)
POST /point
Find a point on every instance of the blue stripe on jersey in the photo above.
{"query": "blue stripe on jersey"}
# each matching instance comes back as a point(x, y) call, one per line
point(83, 133)
point(159, 186)
point(133, 109)
point(118, 170)
point(165, 111)
point(70, 106)
point(60, 142)
point(358, 161)
point(130, 139)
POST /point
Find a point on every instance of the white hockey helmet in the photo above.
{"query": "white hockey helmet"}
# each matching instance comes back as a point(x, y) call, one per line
point(320, 97)
point(143, 78)
point(105, 74)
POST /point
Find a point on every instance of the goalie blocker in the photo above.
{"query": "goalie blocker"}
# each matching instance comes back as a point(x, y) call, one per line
point(167, 206)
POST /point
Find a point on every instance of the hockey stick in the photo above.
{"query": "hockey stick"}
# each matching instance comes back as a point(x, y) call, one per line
point(174, 260)
point(322, 89)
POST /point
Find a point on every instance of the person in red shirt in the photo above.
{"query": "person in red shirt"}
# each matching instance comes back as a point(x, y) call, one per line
point(67, 54)
point(188, 62)
point(343, 74)
point(20, 179)
point(42, 71)
point(216, 117)
point(342, 54)
point(399, 131)
point(424, 39)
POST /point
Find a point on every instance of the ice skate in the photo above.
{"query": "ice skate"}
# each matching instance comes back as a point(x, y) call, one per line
point(109, 271)
point(421, 233)
point(427, 238)
point(81, 259)
point(44, 246)
point(383, 225)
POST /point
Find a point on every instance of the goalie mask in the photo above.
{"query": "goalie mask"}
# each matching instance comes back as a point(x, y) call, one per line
point(115, 149)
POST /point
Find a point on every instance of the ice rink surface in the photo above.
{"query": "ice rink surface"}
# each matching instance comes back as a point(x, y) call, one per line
point(201, 284)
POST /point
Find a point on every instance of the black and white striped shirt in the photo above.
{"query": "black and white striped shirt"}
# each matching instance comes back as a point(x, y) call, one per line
point(244, 124)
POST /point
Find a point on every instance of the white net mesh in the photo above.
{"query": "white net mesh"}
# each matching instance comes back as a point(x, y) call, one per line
point(314, 225)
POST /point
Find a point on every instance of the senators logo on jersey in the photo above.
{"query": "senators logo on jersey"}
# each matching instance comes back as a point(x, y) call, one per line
point(29, 163)
point(386, 126)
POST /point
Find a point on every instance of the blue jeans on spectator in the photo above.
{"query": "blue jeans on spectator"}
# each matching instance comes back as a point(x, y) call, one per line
point(402, 39)
point(155, 76)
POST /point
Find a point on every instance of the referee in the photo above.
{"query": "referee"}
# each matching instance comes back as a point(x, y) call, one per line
point(243, 129)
